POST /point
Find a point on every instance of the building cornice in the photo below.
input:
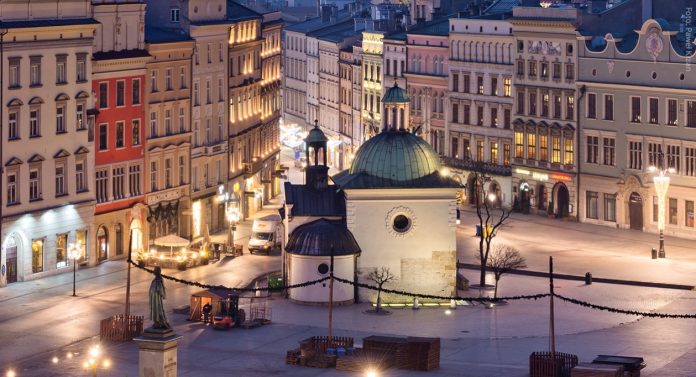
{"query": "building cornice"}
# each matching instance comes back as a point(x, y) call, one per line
point(628, 87)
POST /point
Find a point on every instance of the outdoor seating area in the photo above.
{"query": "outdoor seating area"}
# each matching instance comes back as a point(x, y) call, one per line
point(541, 364)
point(377, 353)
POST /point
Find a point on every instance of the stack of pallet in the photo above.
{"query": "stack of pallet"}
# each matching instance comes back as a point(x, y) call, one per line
point(293, 357)
point(597, 370)
point(362, 360)
point(322, 361)
point(423, 353)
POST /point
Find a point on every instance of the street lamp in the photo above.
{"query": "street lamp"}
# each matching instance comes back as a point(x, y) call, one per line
point(661, 181)
point(231, 201)
point(74, 253)
point(96, 358)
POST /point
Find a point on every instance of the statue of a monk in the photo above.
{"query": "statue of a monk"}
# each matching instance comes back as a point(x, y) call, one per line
point(158, 314)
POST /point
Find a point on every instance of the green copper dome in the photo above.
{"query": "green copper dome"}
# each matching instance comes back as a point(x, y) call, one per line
point(395, 95)
point(397, 156)
point(316, 136)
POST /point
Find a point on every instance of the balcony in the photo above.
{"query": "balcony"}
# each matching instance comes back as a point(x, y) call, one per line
point(478, 166)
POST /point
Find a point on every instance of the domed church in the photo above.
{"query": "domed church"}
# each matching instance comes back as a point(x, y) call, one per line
point(393, 208)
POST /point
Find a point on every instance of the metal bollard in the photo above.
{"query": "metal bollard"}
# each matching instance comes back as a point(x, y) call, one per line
point(415, 303)
point(654, 253)
point(588, 278)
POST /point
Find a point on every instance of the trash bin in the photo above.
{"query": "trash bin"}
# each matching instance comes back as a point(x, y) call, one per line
point(478, 230)
point(588, 278)
point(654, 253)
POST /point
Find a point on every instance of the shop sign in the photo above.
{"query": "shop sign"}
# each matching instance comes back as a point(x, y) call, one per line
point(535, 175)
point(163, 196)
point(561, 177)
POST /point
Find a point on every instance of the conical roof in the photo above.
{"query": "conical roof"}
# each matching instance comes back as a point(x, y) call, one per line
point(316, 136)
point(317, 237)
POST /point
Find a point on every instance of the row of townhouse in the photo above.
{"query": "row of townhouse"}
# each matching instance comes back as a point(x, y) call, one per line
point(563, 107)
point(121, 120)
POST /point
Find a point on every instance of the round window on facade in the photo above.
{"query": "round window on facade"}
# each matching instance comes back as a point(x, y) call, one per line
point(401, 223)
point(323, 268)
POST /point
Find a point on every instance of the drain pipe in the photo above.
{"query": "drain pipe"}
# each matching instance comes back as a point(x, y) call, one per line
point(582, 90)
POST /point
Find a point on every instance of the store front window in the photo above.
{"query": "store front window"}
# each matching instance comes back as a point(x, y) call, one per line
point(37, 255)
point(61, 250)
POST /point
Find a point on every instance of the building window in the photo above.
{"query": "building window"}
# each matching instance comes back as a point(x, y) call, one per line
point(609, 151)
point(654, 106)
point(591, 203)
point(221, 95)
point(208, 92)
point(691, 113)
point(494, 117)
point(153, 176)
point(544, 70)
point(494, 86)
point(135, 92)
point(60, 119)
point(690, 161)
point(135, 127)
point(568, 157)
point(556, 71)
point(555, 149)
point(520, 102)
point(608, 107)
point(592, 149)
point(168, 79)
point(455, 113)
point(81, 67)
point(467, 114)
point(479, 150)
point(570, 71)
point(570, 107)
point(14, 73)
point(120, 135)
point(35, 70)
point(506, 154)
point(507, 87)
point(454, 147)
point(80, 177)
point(689, 213)
point(12, 197)
point(635, 109)
point(102, 186)
point(153, 81)
point(635, 155)
point(80, 116)
point(195, 94)
point(610, 207)
point(103, 137)
point(531, 146)
point(532, 103)
point(673, 213)
point(592, 106)
point(545, 105)
point(118, 181)
point(557, 107)
point(134, 180)
point(174, 15)
point(479, 115)
point(13, 125)
point(519, 144)
point(61, 74)
point(153, 124)
point(182, 77)
point(60, 180)
point(37, 255)
point(520, 68)
point(672, 112)
point(673, 157)
point(543, 147)
point(120, 93)
point(455, 81)
point(182, 124)
point(34, 184)
point(532, 69)
point(506, 119)
point(654, 150)
point(467, 83)
point(479, 85)
point(182, 171)
point(61, 250)
point(168, 122)
point(34, 123)
point(103, 95)
point(209, 51)
point(167, 172)
point(494, 152)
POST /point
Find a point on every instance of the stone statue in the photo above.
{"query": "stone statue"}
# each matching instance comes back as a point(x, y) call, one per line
point(158, 314)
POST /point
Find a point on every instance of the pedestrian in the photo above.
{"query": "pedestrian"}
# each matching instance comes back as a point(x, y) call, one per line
point(207, 308)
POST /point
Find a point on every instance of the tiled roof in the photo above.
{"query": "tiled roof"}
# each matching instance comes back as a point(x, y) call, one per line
point(345, 180)
point(238, 12)
point(318, 237)
point(310, 202)
point(123, 54)
point(47, 23)
point(159, 35)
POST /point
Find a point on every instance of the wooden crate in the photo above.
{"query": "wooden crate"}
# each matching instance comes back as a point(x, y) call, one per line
point(597, 370)
point(361, 361)
point(292, 357)
point(322, 361)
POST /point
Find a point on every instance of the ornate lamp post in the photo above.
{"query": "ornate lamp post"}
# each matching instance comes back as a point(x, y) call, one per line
point(661, 181)
point(95, 359)
point(231, 201)
point(74, 253)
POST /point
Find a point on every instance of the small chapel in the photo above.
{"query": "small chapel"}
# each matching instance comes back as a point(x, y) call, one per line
point(392, 208)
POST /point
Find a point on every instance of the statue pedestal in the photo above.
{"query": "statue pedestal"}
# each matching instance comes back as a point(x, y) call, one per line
point(158, 356)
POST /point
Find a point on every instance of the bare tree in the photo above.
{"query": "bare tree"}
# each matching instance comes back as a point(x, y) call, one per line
point(502, 260)
point(491, 218)
point(381, 276)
